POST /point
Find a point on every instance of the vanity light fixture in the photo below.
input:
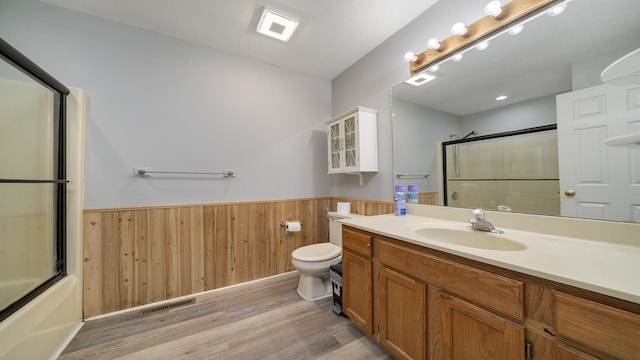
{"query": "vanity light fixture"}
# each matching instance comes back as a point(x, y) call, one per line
point(434, 44)
point(517, 29)
point(409, 56)
point(276, 25)
point(557, 10)
point(482, 45)
point(501, 97)
point(499, 20)
point(421, 79)
point(460, 28)
point(494, 9)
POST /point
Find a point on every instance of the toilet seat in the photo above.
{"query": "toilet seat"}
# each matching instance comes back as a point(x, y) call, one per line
point(317, 252)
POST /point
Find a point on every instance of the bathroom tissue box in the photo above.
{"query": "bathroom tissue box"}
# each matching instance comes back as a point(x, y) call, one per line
point(344, 208)
point(292, 226)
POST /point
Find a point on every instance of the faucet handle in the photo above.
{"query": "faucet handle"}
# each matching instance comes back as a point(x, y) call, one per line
point(478, 214)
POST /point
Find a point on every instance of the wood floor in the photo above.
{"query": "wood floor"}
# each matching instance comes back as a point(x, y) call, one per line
point(262, 320)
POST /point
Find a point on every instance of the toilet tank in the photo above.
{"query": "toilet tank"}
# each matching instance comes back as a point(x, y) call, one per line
point(335, 227)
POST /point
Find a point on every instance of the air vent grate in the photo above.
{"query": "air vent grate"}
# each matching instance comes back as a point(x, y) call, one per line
point(168, 306)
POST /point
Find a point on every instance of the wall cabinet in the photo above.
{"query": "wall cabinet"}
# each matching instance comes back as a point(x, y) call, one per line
point(352, 142)
point(432, 305)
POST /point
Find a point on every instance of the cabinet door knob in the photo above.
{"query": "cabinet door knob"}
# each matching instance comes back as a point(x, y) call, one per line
point(570, 193)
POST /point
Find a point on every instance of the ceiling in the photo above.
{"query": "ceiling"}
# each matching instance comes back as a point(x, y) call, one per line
point(332, 35)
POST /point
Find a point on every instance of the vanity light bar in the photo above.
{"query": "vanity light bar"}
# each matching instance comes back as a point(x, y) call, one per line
point(493, 23)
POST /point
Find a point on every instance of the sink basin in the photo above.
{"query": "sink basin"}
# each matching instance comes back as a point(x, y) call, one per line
point(471, 238)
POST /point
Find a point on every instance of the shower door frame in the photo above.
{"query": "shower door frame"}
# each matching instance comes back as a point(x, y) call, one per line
point(29, 68)
point(478, 138)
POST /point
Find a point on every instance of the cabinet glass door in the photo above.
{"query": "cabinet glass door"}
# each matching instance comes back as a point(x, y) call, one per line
point(350, 142)
point(335, 146)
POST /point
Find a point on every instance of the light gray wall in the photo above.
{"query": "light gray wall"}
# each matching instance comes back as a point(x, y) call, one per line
point(368, 83)
point(172, 105)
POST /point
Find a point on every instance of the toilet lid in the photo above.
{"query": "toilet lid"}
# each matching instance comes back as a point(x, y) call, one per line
point(317, 252)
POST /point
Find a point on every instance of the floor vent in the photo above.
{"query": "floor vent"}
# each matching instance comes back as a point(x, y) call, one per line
point(168, 306)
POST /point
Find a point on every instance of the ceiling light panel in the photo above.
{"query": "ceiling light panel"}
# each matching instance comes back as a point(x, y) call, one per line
point(420, 79)
point(277, 25)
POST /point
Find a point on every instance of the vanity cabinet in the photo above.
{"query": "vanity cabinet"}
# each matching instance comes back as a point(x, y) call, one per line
point(357, 277)
point(470, 332)
point(432, 305)
point(402, 308)
point(612, 331)
point(352, 142)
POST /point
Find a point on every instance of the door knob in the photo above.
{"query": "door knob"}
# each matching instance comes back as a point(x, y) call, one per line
point(570, 193)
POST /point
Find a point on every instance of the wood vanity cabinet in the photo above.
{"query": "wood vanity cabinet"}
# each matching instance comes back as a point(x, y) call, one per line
point(424, 304)
point(357, 277)
point(402, 317)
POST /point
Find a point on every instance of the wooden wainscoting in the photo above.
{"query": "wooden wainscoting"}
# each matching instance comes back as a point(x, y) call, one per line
point(137, 256)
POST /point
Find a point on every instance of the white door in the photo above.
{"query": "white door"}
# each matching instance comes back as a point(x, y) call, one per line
point(604, 179)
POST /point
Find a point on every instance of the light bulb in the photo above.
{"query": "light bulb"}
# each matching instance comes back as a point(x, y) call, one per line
point(501, 97)
point(493, 9)
point(434, 68)
point(433, 43)
point(457, 57)
point(409, 56)
point(459, 28)
point(482, 45)
point(517, 29)
point(557, 10)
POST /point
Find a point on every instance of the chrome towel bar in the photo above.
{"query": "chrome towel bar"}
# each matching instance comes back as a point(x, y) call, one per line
point(147, 172)
point(413, 176)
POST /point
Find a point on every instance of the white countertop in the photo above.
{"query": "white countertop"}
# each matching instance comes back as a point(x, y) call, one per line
point(607, 268)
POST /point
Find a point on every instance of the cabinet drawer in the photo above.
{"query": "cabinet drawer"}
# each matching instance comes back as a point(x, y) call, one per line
point(600, 327)
point(501, 294)
point(356, 241)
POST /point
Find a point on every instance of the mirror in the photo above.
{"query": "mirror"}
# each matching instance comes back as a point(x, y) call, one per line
point(553, 55)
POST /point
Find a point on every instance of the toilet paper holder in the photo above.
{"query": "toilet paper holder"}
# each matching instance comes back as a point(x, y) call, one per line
point(291, 226)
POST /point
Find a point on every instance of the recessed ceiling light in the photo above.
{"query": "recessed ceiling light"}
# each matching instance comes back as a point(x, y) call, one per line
point(501, 97)
point(420, 79)
point(277, 25)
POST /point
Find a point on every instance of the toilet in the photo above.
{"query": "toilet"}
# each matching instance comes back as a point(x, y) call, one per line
point(313, 261)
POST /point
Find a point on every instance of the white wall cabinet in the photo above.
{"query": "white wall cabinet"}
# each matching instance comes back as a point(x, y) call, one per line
point(352, 141)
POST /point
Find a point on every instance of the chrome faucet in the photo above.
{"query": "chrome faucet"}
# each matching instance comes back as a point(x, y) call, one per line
point(481, 224)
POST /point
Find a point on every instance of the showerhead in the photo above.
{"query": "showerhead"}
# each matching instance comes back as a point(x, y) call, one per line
point(473, 132)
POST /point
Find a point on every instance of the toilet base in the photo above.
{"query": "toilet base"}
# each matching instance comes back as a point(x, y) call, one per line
point(314, 288)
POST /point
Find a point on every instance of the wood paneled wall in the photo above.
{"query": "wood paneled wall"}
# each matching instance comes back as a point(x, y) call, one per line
point(137, 256)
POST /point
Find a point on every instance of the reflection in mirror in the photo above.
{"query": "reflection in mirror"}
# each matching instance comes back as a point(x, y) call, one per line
point(550, 75)
point(515, 171)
